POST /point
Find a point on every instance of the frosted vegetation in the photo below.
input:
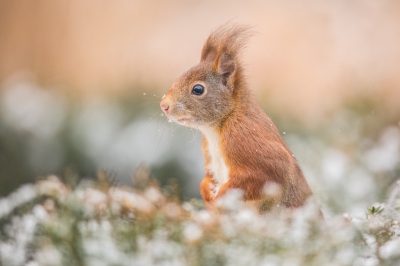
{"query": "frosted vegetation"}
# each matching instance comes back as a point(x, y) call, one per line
point(96, 223)
point(351, 161)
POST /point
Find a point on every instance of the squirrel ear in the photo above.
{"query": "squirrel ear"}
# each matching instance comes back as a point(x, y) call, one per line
point(224, 65)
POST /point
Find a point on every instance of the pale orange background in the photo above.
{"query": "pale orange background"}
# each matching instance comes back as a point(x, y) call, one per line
point(305, 57)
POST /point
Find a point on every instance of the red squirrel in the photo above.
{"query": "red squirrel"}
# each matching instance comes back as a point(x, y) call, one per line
point(242, 147)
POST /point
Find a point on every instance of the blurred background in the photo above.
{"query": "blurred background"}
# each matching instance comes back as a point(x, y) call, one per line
point(81, 81)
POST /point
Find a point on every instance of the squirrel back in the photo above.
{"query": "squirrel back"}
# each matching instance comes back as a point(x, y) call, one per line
point(241, 145)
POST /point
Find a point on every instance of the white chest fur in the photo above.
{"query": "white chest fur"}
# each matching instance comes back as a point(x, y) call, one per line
point(217, 164)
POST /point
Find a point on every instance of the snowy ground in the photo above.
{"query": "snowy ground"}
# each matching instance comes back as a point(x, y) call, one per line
point(98, 224)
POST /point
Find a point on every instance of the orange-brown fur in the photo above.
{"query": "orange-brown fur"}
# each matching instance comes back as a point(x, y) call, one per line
point(249, 142)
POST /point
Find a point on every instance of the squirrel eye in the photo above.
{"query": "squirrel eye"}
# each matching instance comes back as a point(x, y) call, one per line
point(198, 89)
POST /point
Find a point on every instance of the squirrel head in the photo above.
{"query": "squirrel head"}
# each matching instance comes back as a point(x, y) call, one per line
point(207, 92)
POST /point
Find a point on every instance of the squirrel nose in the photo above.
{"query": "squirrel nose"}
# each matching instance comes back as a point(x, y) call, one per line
point(164, 107)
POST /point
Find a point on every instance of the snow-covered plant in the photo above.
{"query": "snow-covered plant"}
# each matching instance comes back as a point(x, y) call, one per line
point(97, 223)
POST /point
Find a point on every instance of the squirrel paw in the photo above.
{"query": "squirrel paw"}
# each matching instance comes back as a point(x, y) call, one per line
point(213, 189)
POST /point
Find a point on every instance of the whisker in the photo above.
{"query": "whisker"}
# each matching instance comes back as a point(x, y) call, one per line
point(158, 123)
point(162, 134)
point(149, 121)
point(192, 135)
point(186, 142)
point(161, 92)
point(197, 132)
point(146, 101)
point(169, 137)
point(154, 95)
point(172, 76)
point(150, 95)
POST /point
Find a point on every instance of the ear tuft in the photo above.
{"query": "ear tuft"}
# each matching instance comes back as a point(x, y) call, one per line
point(228, 39)
point(208, 53)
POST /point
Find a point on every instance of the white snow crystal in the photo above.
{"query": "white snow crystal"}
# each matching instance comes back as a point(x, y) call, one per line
point(192, 232)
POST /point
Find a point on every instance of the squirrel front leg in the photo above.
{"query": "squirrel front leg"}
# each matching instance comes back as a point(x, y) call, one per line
point(208, 191)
